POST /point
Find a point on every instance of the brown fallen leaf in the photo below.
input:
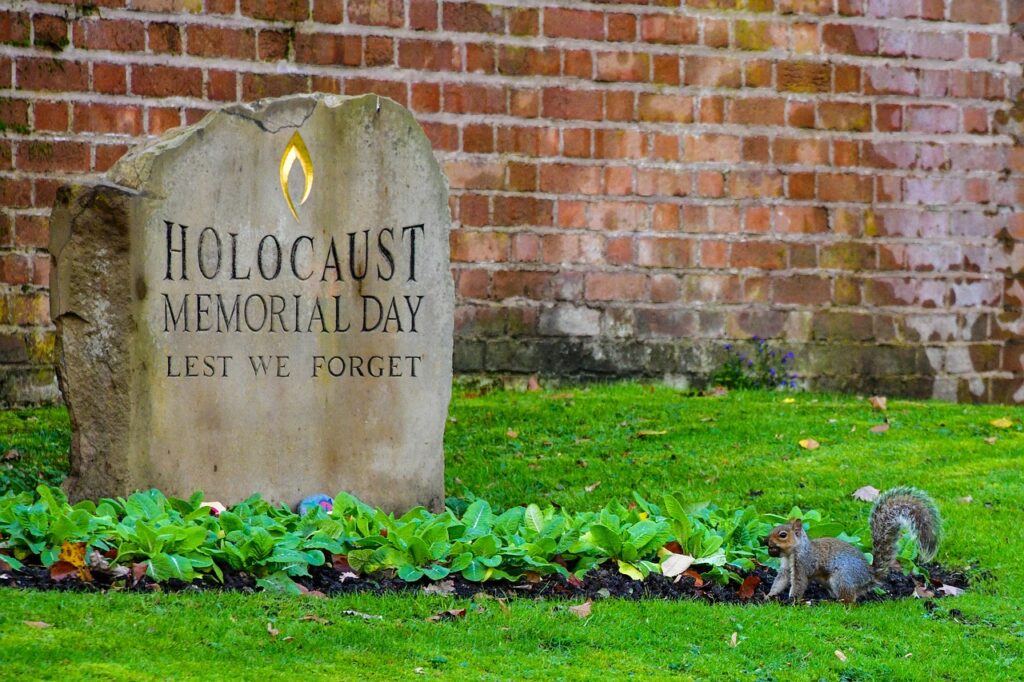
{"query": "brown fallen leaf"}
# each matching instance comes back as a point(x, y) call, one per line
point(676, 564)
point(867, 493)
point(593, 486)
point(582, 610)
point(698, 581)
point(748, 587)
point(272, 631)
point(650, 434)
point(440, 587)
point(922, 592)
point(37, 624)
point(61, 570)
point(809, 444)
point(879, 428)
point(718, 392)
point(561, 396)
point(512, 435)
point(877, 402)
point(315, 618)
point(139, 570)
point(991, 440)
point(734, 639)
point(450, 614)
point(11, 455)
point(840, 655)
point(532, 384)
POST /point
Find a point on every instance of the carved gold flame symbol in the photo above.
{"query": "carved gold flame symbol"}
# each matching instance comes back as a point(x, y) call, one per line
point(296, 151)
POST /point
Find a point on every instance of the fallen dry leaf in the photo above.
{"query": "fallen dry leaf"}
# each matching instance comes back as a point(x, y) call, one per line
point(342, 566)
point(139, 570)
point(512, 434)
point(450, 614)
point(733, 639)
point(37, 624)
point(877, 402)
point(419, 671)
point(676, 564)
point(582, 610)
point(922, 592)
point(867, 493)
point(11, 455)
point(1001, 423)
point(787, 401)
point(750, 584)
point(73, 553)
point(879, 428)
point(315, 618)
point(440, 587)
point(840, 655)
point(532, 384)
point(718, 392)
point(650, 434)
point(966, 499)
point(592, 487)
point(991, 440)
point(698, 581)
point(950, 590)
point(809, 444)
point(272, 631)
point(61, 570)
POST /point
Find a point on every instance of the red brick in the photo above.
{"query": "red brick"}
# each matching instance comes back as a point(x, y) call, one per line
point(762, 255)
point(51, 116)
point(665, 218)
point(109, 79)
point(260, 85)
point(161, 119)
point(848, 39)
point(479, 247)
point(50, 31)
point(804, 77)
point(472, 17)
point(15, 28)
point(976, 11)
point(422, 15)
point(51, 75)
point(107, 155)
point(328, 49)
point(377, 12)
point(474, 99)
point(758, 111)
point(572, 104)
point(623, 66)
point(31, 230)
point(576, 142)
point(666, 108)
point(164, 38)
point(332, 11)
point(473, 283)
point(563, 178)
point(719, 72)
point(619, 251)
point(844, 116)
point(608, 286)
point(618, 216)
point(800, 220)
point(676, 30)
point(847, 188)
point(526, 61)
point(620, 106)
point(54, 157)
point(272, 46)
point(166, 81)
point(621, 27)
point(278, 10)
point(578, 64)
point(567, 23)
point(110, 34)
point(664, 252)
point(619, 144)
point(105, 118)
point(716, 148)
point(519, 284)
point(214, 41)
point(802, 290)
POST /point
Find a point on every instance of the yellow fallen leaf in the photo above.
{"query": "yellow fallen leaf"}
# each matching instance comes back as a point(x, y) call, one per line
point(787, 401)
point(809, 444)
point(732, 640)
point(650, 434)
point(1001, 423)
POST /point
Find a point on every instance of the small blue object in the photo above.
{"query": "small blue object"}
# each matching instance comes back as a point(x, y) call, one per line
point(322, 501)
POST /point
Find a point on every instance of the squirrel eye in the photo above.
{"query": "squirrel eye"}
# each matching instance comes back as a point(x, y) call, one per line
point(782, 534)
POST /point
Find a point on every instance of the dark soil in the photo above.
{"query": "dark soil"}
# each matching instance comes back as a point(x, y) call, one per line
point(599, 583)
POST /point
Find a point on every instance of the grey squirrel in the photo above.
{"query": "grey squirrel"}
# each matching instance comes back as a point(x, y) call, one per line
point(840, 566)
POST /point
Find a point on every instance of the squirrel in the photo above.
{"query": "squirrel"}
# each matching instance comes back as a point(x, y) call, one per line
point(840, 566)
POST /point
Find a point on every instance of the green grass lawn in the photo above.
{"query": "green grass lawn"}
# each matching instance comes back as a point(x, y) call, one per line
point(513, 448)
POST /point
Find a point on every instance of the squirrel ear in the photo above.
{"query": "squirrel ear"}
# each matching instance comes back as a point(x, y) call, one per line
point(798, 525)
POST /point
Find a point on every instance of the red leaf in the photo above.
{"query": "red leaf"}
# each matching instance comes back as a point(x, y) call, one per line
point(61, 570)
point(750, 584)
point(698, 582)
point(674, 547)
point(450, 614)
point(574, 581)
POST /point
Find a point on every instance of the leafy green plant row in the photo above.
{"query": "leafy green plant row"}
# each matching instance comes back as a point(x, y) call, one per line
point(177, 538)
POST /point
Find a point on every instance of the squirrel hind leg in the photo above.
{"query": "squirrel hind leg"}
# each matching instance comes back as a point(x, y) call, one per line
point(844, 590)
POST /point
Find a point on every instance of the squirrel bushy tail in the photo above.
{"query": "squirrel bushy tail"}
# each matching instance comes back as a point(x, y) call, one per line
point(896, 509)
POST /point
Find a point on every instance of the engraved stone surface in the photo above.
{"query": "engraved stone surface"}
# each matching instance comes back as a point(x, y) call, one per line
point(261, 302)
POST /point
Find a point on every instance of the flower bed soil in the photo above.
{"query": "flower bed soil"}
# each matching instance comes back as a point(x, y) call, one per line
point(599, 583)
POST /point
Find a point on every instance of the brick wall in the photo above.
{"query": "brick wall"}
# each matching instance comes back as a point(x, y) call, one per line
point(634, 184)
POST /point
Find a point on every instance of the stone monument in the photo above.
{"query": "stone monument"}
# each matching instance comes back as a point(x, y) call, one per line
point(260, 302)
